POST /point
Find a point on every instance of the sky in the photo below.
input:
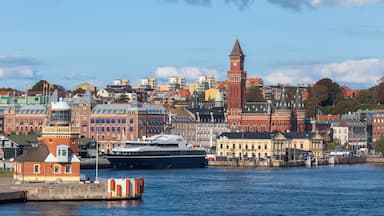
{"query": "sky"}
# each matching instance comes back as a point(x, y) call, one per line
point(69, 42)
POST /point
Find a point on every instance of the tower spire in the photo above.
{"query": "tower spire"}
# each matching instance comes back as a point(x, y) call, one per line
point(236, 50)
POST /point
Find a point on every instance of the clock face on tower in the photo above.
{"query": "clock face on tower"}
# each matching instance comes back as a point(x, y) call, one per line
point(234, 63)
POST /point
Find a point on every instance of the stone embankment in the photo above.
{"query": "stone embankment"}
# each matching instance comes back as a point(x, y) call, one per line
point(111, 189)
point(281, 163)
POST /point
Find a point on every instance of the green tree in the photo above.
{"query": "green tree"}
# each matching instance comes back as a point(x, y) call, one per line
point(365, 97)
point(344, 106)
point(379, 145)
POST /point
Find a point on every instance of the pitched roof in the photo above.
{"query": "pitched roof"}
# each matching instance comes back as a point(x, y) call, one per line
point(34, 154)
point(236, 51)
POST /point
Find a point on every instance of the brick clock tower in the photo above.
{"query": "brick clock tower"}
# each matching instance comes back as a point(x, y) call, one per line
point(236, 78)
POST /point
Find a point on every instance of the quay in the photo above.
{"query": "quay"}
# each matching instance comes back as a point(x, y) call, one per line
point(111, 189)
point(281, 163)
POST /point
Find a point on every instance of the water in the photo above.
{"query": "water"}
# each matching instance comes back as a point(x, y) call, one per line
point(339, 190)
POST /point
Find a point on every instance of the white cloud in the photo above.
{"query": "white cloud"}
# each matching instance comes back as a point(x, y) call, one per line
point(191, 73)
point(18, 67)
point(298, 4)
point(360, 71)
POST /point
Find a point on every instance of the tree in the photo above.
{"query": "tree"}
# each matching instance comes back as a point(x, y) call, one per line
point(379, 145)
point(254, 94)
point(365, 96)
point(344, 106)
point(122, 99)
point(311, 106)
point(38, 87)
point(379, 93)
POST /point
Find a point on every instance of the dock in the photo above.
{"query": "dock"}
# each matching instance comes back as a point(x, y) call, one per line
point(111, 189)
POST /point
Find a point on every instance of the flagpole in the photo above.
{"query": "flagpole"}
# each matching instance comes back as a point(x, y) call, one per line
point(97, 156)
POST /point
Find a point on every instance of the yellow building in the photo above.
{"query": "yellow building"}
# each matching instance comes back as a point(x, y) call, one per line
point(210, 94)
point(278, 146)
point(191, 87)
point(164, 87)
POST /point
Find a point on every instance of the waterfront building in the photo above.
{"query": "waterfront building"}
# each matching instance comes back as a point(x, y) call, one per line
point(111, 124)
point(352, 133)
point(198, 125)
point(271, 145)
point(54, 157)
point(23, 119)
point(81, 112)
point(377, 125)
point(281, 115)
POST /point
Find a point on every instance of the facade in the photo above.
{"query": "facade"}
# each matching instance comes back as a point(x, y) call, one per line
point(199, 126)
point(277, 146)
point(377, 125)
point(352, 133)
point(150, 83)
point(23, 119)
point(176, 82)
point(111, 124)
point(281, 115)
point(54, 158)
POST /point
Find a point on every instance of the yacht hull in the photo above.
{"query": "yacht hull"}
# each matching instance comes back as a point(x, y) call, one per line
point(165, 162)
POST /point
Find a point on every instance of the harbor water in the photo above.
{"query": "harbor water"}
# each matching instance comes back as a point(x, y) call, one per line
point(339, 190)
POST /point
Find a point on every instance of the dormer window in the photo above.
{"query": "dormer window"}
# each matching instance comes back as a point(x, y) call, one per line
point(63, 153)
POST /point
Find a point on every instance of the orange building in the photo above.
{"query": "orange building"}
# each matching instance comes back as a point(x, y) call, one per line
point(53, 158)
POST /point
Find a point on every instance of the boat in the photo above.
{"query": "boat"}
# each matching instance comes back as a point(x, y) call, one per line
point(163, 151)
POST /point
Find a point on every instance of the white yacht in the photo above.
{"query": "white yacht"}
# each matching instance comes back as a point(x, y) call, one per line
point(162, 151)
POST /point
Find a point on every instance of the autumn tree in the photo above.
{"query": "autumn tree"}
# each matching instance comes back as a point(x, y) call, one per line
point(254, 94)
point(379, 93)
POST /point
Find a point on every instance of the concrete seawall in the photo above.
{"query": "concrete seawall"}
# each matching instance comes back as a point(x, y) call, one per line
point(120, 189)
point(280, 163)
point(375, 160)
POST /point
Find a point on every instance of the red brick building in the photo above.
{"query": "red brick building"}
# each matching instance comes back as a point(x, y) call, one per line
point(53, 158)
point(23, 119)
point(111, 124)
point(282, 115)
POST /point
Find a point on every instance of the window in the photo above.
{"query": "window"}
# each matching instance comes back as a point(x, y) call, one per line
point(221, 146)
point(36, 169)
point(63, 152)
point(56, 168)
point(68, 168)
point(301, 145)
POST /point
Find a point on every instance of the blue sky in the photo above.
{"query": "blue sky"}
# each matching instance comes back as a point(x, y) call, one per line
point(285, 41)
